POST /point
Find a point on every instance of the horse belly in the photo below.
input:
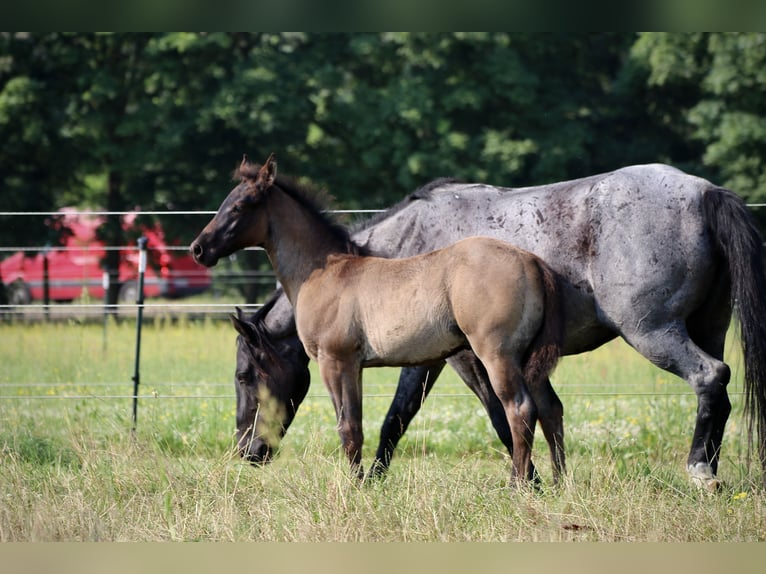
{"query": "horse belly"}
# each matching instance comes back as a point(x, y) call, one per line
point(412, 337)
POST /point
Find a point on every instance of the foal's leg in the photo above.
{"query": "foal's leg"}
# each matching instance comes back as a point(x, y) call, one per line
point(508, 383)
point(414, 385)
point(343, 379)
point(550, 413)
point(474, 375)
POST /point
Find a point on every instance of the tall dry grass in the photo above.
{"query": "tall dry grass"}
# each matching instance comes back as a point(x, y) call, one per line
point(71, 470)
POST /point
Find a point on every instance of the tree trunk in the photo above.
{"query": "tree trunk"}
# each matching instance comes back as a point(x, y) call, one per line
point(114, 236)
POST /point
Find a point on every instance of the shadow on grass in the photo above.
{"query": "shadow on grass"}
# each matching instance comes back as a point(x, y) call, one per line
point(39, 451)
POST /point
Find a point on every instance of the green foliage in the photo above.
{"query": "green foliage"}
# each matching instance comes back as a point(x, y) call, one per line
point(159, 120)
point(722, 75)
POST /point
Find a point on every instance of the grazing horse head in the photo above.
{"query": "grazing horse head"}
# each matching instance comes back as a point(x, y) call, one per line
point(237, 224)
point(271, 380)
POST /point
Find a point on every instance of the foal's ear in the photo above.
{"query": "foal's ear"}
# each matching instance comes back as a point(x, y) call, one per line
point(267, 174)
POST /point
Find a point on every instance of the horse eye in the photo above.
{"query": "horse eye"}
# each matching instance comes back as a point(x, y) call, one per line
point(236, 208)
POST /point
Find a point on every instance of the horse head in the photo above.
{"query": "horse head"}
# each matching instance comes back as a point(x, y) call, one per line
point(239, 222)
point(271, 380)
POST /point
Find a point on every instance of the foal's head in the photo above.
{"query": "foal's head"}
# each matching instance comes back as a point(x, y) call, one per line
point(271, 380)
point(238, 223)
point(245, 217)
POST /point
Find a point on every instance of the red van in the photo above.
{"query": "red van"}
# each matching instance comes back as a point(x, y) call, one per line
point(75, 268)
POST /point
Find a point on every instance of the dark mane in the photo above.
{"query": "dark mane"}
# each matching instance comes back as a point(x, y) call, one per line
point(260, 314)
point(316, 201)
point(422, 193)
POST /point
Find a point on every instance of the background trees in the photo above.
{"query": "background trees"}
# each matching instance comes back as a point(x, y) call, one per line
point(115, 121)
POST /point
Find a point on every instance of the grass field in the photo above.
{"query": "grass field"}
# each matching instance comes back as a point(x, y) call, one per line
point(70, 469)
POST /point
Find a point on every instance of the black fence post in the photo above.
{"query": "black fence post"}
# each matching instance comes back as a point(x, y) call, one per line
point(139, 319)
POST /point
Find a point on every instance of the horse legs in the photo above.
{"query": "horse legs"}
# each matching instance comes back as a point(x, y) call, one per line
point(414, 385)
point(670, 348)
point(707, 327)
point(474, 375)
point(344, 382)
point(508, 383)
point(550, 413)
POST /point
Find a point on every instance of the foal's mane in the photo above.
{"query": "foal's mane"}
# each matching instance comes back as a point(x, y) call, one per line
point(314, 200)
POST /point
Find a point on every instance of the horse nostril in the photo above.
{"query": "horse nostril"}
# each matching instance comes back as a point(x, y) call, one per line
point(264, 453)
point(196, 250)
point(257, 455)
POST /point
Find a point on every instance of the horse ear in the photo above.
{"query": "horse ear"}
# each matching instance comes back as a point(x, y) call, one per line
point(242, 326)
point(244, 163)
point(268, 173)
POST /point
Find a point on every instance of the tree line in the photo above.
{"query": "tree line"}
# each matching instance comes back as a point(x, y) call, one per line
point(160, 120)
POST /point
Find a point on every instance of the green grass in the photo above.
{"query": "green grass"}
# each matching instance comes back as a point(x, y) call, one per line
point(70, 469)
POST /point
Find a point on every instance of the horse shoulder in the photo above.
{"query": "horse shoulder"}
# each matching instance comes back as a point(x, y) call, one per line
point(326, 308)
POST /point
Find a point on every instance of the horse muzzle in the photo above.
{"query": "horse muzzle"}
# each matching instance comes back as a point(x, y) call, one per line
point(201, 255)
point(256, 452)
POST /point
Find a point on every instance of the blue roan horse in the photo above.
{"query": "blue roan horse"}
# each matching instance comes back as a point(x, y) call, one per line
point(647, 253)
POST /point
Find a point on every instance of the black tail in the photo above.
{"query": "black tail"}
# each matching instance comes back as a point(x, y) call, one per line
point(741, 244)
point(545, 350)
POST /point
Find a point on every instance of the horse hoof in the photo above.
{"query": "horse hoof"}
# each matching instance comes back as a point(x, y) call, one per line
point(702, 476)
point(708, 484)
point(377, 472)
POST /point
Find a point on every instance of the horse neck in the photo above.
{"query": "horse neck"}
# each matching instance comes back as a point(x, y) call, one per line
point(280, 320)
point(298, 243)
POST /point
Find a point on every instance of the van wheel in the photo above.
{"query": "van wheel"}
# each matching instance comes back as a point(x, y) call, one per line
point(128, 293)
point(18, 293)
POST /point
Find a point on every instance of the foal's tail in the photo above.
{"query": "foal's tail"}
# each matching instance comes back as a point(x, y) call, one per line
point(545, 350)
point(740, 242)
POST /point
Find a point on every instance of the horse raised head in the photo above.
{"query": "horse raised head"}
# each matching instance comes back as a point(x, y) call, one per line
point(236, 224)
